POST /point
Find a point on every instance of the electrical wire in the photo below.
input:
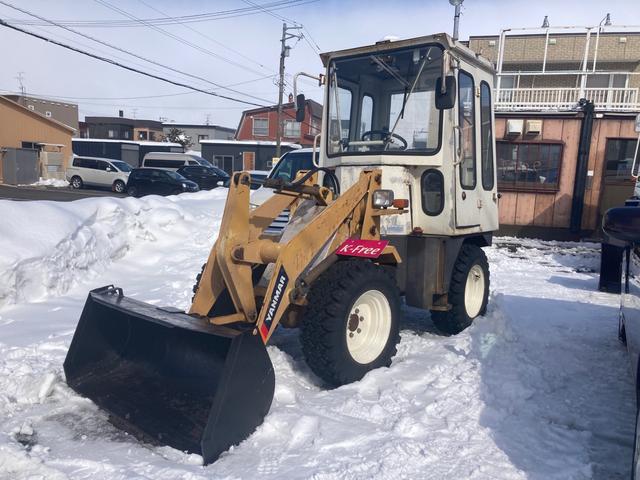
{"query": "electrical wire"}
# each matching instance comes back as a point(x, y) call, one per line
point(126, 67)
point(211, 39)
point(195, 18)
point(115, 47)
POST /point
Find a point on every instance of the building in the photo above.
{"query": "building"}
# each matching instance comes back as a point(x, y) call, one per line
point(63, 112)
point(127, 151)
point(552, 183)
point(121, 128)
point(32, 145)
point(261, 124)
point(197, 133)
point(235, 155)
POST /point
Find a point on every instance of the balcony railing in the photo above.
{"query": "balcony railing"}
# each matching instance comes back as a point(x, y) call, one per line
point(559, 99)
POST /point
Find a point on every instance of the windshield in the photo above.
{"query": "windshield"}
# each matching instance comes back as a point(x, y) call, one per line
point(201, 161)
point(122, 166)
point(175, 175)
point(290, 164)
point(385, 102)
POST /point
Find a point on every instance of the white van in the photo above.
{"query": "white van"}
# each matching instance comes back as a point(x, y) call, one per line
point(98, 172)
point(172, 161)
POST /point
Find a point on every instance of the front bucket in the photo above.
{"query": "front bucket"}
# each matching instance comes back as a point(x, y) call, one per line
point(169, 378)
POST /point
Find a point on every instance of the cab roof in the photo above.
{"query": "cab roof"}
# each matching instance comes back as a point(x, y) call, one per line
point(441, 38)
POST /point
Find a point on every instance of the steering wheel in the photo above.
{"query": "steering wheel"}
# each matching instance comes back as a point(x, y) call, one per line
point(385, 136)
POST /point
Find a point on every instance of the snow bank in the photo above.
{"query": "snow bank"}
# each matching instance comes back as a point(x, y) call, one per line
point(51, 182)
point(48, 246)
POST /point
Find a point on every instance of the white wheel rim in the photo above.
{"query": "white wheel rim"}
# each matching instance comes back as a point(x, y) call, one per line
point(474, 291)
point(368, 326)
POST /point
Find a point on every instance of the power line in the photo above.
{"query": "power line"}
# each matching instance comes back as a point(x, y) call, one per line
point(115, 47)
point(211, 39)
point(196, 18)
point(126, 67)
point(178, 39)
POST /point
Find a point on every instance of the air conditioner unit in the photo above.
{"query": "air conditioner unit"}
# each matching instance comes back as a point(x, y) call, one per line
point(514, 127)
point(533, 127)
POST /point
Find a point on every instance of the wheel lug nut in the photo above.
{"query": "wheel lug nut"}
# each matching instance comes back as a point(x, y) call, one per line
point(357, 310)
point(362, 319)
point(358, 330)
point(351, 335)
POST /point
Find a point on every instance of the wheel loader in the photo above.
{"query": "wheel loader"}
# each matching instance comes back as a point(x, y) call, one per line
point(400, 204)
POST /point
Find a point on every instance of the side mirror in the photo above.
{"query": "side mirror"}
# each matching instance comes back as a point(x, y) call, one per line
point(300, 104)
point(446, 98)
point(109, 169)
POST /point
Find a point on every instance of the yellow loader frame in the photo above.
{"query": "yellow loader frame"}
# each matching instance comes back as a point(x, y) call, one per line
point(242, 246)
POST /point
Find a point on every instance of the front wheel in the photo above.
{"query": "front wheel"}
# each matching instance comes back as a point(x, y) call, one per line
point(133, 192)
point(76, 182)
point(351, 325)
point(468, 291)
point(119, 186)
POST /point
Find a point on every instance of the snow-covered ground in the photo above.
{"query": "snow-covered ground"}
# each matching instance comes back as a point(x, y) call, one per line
point(539, 388)
point(51, 182)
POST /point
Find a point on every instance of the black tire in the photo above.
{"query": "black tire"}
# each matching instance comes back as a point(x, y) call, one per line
point(133, 192)
point(329, 313)
point(76, 182)
point(176, 192)
point(457, 319)
point(119, 186)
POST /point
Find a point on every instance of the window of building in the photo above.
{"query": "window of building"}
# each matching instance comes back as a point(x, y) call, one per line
point(142, 135)
point(31, 145)
point(261, 127)
point(486, 137)
point(606, 80)
point(126, 134)
point(202, 137)
point(619, 157)
point(467, 122)
point(291, 129)
point(528, 166)
point(47, 114)
point(111, 134)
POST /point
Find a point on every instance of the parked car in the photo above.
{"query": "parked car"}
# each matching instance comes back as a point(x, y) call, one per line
point(622, 226)
point(98, 172)
point(206, 177)
point(172, 161)
point(156, 181)
point(286, 168)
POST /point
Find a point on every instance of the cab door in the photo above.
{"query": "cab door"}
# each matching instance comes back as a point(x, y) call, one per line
point(468, 201)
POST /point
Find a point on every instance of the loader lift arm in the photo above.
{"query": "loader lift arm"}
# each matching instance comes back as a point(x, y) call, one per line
point(241, 247)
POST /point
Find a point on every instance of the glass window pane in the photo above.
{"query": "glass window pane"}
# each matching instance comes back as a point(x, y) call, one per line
point(528, 165)
point(466, 120)
point(486, 137)
point(340, 118)
point(366, 114)
point(432, 192)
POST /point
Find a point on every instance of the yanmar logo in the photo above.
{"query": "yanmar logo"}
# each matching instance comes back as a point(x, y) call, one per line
point(278, 292)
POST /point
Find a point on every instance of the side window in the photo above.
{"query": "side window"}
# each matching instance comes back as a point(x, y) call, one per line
point(432, 184)
point(340, 118)
point(466, 121)
point(88, 163)
point(486, 137)
point(100, 165)
point(366, 114)
point(77, 162)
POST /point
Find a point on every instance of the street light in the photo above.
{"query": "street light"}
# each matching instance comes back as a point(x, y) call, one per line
point(545, 22)
point(607, 23)
point(456, 17)
point(606, 20)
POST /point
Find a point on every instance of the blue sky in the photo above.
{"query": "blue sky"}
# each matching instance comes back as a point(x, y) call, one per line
point(251, 41)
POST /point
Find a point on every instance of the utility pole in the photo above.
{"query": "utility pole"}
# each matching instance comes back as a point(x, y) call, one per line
point(284, 52)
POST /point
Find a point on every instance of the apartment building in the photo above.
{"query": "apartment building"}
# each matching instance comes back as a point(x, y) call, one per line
point(566, 107)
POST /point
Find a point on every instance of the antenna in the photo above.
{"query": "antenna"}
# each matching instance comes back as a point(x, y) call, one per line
point(23, 89)
point(208, 119)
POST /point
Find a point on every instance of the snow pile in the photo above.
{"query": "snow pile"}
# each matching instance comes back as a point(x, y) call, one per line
point(538, 388)
point(47, 247)
point(51, 182)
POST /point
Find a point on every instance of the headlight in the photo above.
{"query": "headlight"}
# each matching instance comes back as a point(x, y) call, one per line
point(382, 198)
point(184, 185)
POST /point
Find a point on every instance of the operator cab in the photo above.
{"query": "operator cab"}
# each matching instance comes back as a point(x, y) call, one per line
point(422, 110)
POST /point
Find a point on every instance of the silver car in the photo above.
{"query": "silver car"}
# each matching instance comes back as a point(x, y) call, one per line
point(98, 172)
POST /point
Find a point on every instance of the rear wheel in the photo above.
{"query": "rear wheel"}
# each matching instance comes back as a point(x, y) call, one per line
point(133, 192)
point(351, 325)
point(119, 186)
point(468, 291)
point(76, 182)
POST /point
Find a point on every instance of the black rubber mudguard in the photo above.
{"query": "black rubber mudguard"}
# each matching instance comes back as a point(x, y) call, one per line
point(169, 378)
